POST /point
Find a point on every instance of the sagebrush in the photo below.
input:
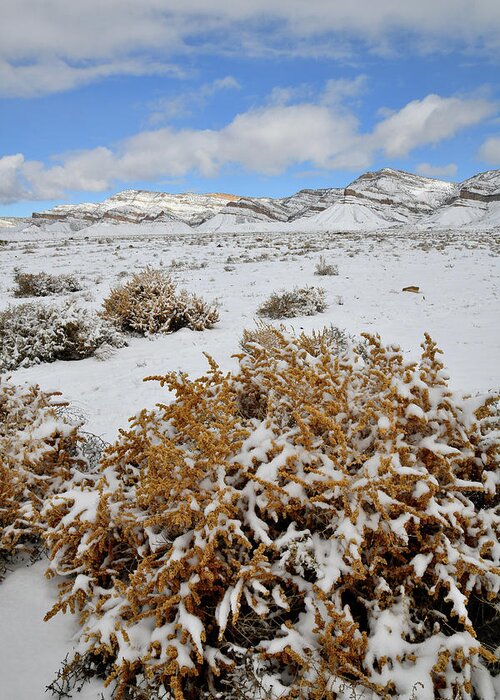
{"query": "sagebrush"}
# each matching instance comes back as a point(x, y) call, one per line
point(325, 269)
point(309, 523)
point(36, 332)
point(42, 284)
point(300, 301)
point(151, 303)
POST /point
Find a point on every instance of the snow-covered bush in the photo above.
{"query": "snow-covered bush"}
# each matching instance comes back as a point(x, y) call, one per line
point(300, 301)
point(330, 338)
point(36, 332)
point(150, 303)
point(324, 268)
point(38, 449)
point(41, 284)
point(308, 526)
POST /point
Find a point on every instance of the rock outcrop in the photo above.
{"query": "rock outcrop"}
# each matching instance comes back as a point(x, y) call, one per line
point(484, 187)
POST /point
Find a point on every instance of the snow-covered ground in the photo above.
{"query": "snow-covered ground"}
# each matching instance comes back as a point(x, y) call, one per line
point(458, 305)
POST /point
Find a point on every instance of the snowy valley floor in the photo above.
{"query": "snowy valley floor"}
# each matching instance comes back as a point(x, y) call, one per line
point(458, 305)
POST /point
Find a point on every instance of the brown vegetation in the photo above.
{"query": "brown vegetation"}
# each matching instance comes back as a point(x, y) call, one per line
point(42, 284)
point(311, 519)
point(38, 449)
point(150, 303)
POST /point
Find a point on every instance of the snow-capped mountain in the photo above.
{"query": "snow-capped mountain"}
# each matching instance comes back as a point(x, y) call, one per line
point(352, 214)
point(392, 198)
point(136, 206)
point(386, 198)
point(484, 187)
point(408, 193)
point(477, 204)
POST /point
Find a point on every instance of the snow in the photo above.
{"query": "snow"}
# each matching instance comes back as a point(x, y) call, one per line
point(31, 651)
point(457, 306)
point(456, 272)
point(136, 205)
point(348, 214)
point(6, 223)
point(464, 212)
point(420, 563)
point(414, 192)
point(191, 623)
point(230, 222)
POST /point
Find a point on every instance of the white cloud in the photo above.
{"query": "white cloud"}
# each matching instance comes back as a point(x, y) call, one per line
point(338, 91)
point(267, 140)
point(428, 121)
point(80, 41)
point(36, 79)
point(87, 171)
point(11, 183)
point(490, 151)
point(430, 170)
point(166, 109)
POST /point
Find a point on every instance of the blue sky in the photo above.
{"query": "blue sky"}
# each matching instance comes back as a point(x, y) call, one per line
point(249, 97)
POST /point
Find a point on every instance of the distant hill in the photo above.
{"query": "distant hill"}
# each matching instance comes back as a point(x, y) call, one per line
point(383, 199)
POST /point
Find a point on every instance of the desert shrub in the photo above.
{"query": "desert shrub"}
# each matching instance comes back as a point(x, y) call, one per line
point(301, 301)
point(41, 284)
point(309, 525)
point(150, 303)
point(329, 338)
point(39, 450)
point(323, 268)
point(35, 332)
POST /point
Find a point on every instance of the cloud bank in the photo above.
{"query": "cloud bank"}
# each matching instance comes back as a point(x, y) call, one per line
point(323, 134)
point(58, 45)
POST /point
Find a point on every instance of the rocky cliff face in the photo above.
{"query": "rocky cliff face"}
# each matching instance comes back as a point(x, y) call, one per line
point(136, 206)
point(409, 193)
point(484, 187)
point(306, 203)
point(381, 199)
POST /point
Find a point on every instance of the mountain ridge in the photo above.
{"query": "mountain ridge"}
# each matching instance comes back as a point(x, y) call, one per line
point(376, 199)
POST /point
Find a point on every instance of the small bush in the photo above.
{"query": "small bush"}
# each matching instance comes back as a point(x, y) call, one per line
point(325, 269)
point(301, 301)
point(151, 303)
point(38, 449)
point(34, 332)
point(41, 284)
point(330, 338)
point(308, 526)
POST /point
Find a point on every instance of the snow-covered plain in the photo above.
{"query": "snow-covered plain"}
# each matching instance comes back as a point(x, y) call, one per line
point(456, 272)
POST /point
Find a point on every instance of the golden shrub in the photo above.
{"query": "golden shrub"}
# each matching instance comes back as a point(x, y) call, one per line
point(328, 339)
point(150, 303)
point(38, 450)
point(310, 521)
